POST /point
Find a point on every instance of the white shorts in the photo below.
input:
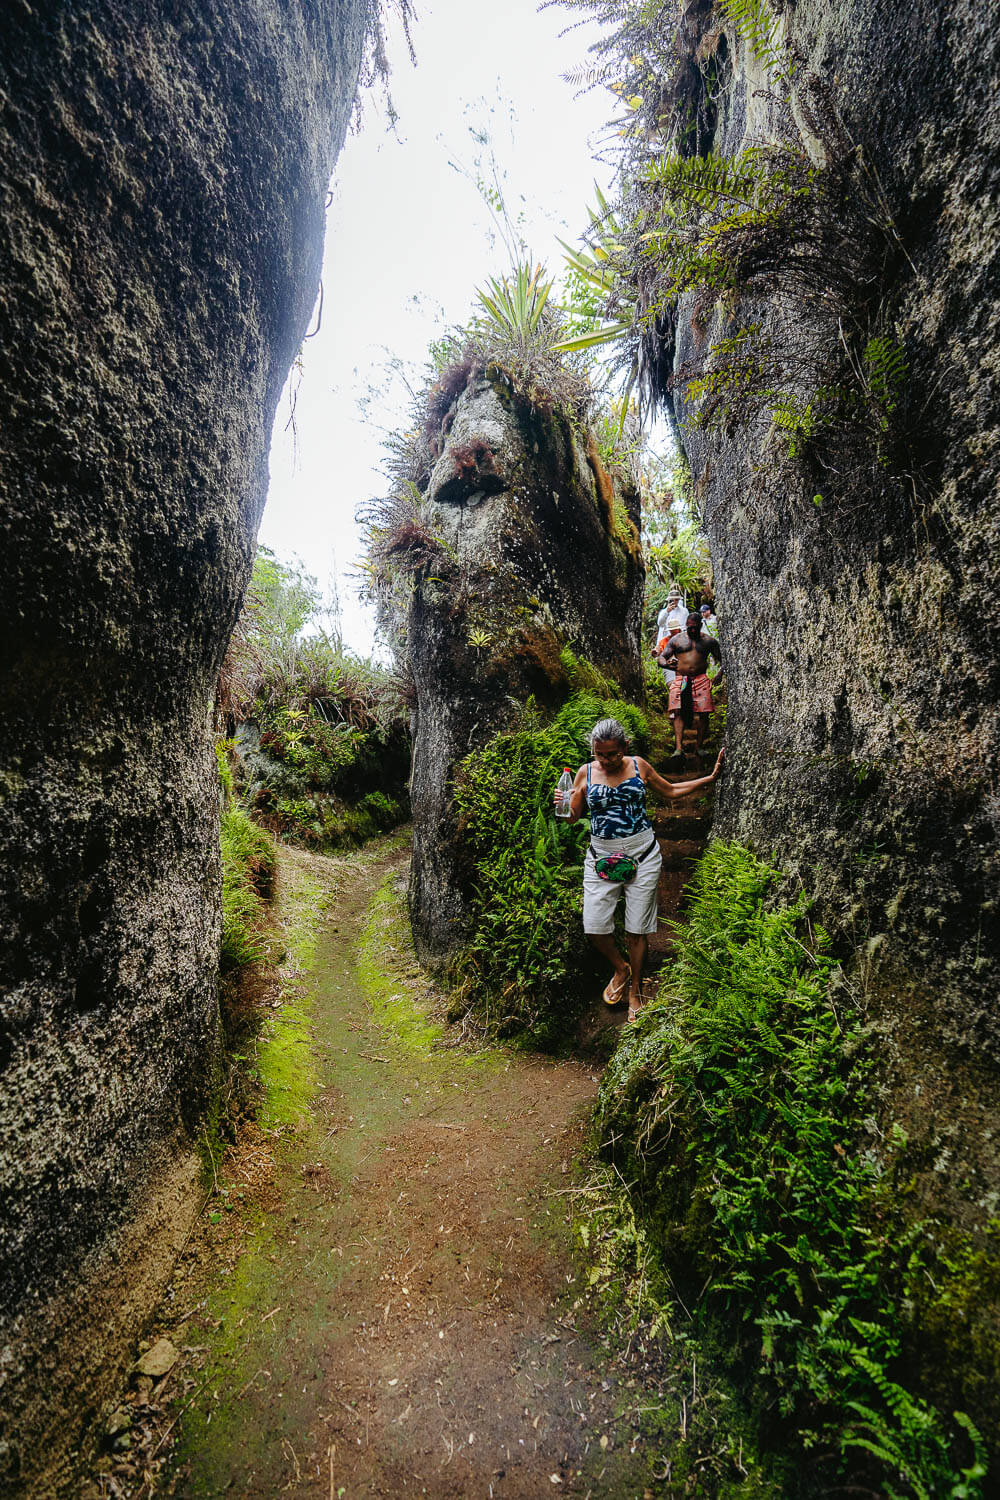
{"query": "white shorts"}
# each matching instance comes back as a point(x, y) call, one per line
point(600, 897)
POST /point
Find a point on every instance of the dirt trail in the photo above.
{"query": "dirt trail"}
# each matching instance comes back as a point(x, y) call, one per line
point(403, 1318)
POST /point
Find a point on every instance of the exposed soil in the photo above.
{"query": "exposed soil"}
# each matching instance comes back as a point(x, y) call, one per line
point(381, 1297)
point(394, 1306)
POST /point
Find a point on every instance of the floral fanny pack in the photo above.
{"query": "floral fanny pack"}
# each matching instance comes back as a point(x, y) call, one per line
point(619, 868)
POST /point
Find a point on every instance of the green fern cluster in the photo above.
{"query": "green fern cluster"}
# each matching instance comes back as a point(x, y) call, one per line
point(885, 372)
point(737, 1108)
point(756, 23)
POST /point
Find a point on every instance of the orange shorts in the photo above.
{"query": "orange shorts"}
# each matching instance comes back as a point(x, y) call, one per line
point(701, 693)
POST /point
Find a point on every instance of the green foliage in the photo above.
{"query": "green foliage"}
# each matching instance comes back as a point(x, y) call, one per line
point(760, 28)
point(317, 728)
point(682, 561)
point(592, 284)
point(248, 859)
point(526, 963)
point(738, 1106)
point(765, 226)
point(284, 597)
point(885, 370)
point(700, 1417)
point(799, 420)
point(514, 306)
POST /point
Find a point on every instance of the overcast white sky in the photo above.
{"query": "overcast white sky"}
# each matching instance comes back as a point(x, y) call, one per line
point(408, 242)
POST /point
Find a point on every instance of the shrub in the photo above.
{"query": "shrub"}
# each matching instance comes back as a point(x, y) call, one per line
point(317, 728)
point(739, 1106)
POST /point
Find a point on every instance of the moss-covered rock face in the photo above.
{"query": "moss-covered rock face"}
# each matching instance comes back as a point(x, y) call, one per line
point(537, 549)
point(856, 565)
point(164, 171)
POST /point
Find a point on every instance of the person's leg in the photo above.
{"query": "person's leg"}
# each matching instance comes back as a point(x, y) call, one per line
point(606, 945)
point(641, 917)
point(600, 898)
point(638, 947)
point(674, 710)
point(703, 706)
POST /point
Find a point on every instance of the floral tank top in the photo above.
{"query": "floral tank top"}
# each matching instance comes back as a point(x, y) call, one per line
point(617, 811)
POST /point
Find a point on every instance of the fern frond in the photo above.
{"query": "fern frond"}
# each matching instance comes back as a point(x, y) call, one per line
point(756, 23)
point(885, 369)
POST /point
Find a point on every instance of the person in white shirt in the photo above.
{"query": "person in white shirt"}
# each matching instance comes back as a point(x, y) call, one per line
point(668, 622)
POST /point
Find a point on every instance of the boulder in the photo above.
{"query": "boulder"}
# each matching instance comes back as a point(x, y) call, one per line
point(856, 571)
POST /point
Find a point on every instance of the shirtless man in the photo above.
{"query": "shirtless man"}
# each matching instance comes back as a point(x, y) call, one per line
point(689, 653)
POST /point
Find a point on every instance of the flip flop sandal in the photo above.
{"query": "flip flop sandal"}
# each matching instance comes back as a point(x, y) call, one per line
point(636, 1007)
point(614, 993)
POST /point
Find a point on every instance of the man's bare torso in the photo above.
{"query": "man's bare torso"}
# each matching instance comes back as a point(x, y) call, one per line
point(692, 657)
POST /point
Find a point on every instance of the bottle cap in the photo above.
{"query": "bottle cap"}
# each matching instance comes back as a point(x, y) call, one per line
point(566, 768)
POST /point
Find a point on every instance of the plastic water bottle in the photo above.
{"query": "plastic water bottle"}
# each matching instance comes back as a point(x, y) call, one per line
point(564, 786)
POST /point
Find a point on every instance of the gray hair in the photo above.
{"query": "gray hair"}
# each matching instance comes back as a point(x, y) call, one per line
point(608, 729)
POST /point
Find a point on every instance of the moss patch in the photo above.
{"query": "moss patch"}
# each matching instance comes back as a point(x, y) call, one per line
point(248, 859)
point(284, 1048)
point(388, 970)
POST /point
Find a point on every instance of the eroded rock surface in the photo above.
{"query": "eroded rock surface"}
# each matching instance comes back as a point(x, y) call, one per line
point(857, 576)
point(163, 176)
point(539, 550)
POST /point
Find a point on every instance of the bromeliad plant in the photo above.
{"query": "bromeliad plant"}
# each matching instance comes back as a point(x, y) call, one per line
point(514, 306)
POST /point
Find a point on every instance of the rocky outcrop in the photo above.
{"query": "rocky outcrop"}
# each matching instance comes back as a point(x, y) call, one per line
point(535, 548)
point(858, 575)
point(163, 174)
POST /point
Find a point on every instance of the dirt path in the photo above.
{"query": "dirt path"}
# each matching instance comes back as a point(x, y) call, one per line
point(401, 1319)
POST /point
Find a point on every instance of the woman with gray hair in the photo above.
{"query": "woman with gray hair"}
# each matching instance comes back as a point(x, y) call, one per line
point(623, 852)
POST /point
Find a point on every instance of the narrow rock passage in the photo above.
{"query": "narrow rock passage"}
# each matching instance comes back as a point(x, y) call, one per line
point(403, 1320)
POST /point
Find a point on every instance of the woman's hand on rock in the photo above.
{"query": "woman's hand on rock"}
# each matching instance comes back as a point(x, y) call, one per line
point(717, 768)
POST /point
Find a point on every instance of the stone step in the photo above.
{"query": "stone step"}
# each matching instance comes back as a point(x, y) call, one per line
point(680, 854)
point(682, 824)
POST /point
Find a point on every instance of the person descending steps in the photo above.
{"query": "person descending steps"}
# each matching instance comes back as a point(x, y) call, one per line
point(623, 854)
point(689, 653)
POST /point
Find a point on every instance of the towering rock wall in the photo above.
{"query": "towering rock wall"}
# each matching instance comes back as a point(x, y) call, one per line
point(539, 549)
point(164, 168)
point(858, 577)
